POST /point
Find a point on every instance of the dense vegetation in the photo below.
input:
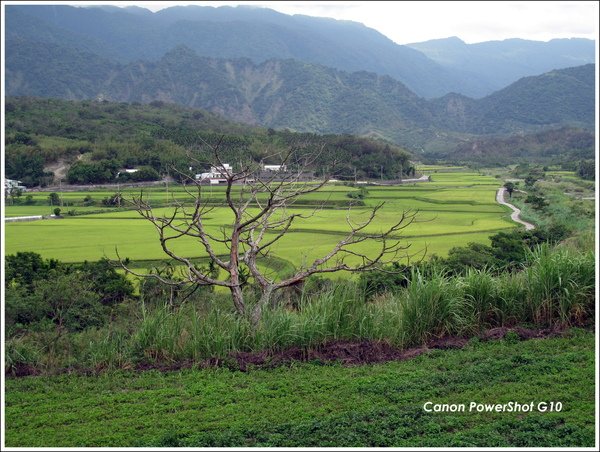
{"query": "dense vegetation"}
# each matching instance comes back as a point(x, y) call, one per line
point(102, 137)
point(552, 147)
point(316, 405)
point(586, 169)
point(553, 287)
point(73, 297)
point(557, 97)
point(506, 253)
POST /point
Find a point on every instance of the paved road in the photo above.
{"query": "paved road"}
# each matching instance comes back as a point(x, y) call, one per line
point(424, 178)
point(28, 218)
point(516, 212)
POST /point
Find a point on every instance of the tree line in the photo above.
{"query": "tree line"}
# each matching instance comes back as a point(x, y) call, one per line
point(97, 139)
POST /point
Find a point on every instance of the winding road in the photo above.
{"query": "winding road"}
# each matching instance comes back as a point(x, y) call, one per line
point(516, 212)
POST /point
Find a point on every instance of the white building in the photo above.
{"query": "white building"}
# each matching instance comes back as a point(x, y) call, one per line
point(226, 167)
point(129, 171)
point(10, 185)
point(276, 168)
point(216, 175)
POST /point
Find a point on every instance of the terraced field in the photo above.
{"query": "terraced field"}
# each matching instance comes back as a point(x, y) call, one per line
point(455, 208)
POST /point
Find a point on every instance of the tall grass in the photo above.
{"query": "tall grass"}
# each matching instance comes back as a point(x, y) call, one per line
point(511, 293)
point(560, 285)
point(432, 307)
point(556, 287)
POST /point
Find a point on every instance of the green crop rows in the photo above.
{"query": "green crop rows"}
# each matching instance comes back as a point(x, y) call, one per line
point(456, 208)
point(308, 405)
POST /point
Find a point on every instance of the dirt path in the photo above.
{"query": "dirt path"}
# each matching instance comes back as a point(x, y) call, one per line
point(516, 212)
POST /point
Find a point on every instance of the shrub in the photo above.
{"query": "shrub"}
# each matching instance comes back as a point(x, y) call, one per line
point(537, 202)
point(88, 201)
point(390, 279)
point(473, 256)
point(112, 287)
point(479, 291)
point(53, 199)
point(69, 301)
point(21, 355)
point(95, 172)
point(361, 193)
point(115, 200)
point(22, 309)
point(145, 173)
point(24, 268)
point(511, 294)
point(32, 280)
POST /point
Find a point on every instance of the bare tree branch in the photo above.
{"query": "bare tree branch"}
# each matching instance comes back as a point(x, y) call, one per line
point(260, 204)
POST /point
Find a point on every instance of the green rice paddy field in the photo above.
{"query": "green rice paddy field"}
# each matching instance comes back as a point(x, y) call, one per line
point(455, 208)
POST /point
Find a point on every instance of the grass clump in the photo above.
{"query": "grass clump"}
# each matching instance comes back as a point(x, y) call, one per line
point(560, 284)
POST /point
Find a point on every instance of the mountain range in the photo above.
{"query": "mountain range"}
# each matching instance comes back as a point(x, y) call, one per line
point(496, 64)
point(430, 69)
point(258, 66)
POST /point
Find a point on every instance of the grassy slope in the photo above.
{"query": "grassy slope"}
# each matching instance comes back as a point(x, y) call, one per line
point(315, 405)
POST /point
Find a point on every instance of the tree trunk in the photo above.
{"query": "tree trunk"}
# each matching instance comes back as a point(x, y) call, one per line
point(234, 270)
point(238, 299)
point(267, 292)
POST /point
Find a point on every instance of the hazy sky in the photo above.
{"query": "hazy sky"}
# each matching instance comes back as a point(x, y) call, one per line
point(408, 21)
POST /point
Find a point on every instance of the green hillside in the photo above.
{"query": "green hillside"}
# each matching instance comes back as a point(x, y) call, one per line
point(551, 146)
point(107, 136)
point(260, 34)
point(563, 96)
point(306, 97)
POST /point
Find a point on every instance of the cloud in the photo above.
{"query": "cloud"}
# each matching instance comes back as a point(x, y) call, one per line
point(412, 21)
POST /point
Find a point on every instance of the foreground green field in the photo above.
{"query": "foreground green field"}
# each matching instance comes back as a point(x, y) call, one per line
point(322, 405)
point(456, 208)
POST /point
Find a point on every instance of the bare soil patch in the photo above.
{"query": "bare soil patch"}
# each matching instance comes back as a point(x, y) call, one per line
point(351, 353)
point(345, 352)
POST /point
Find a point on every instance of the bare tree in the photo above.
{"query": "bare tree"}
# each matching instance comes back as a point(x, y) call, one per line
point(262, 215)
